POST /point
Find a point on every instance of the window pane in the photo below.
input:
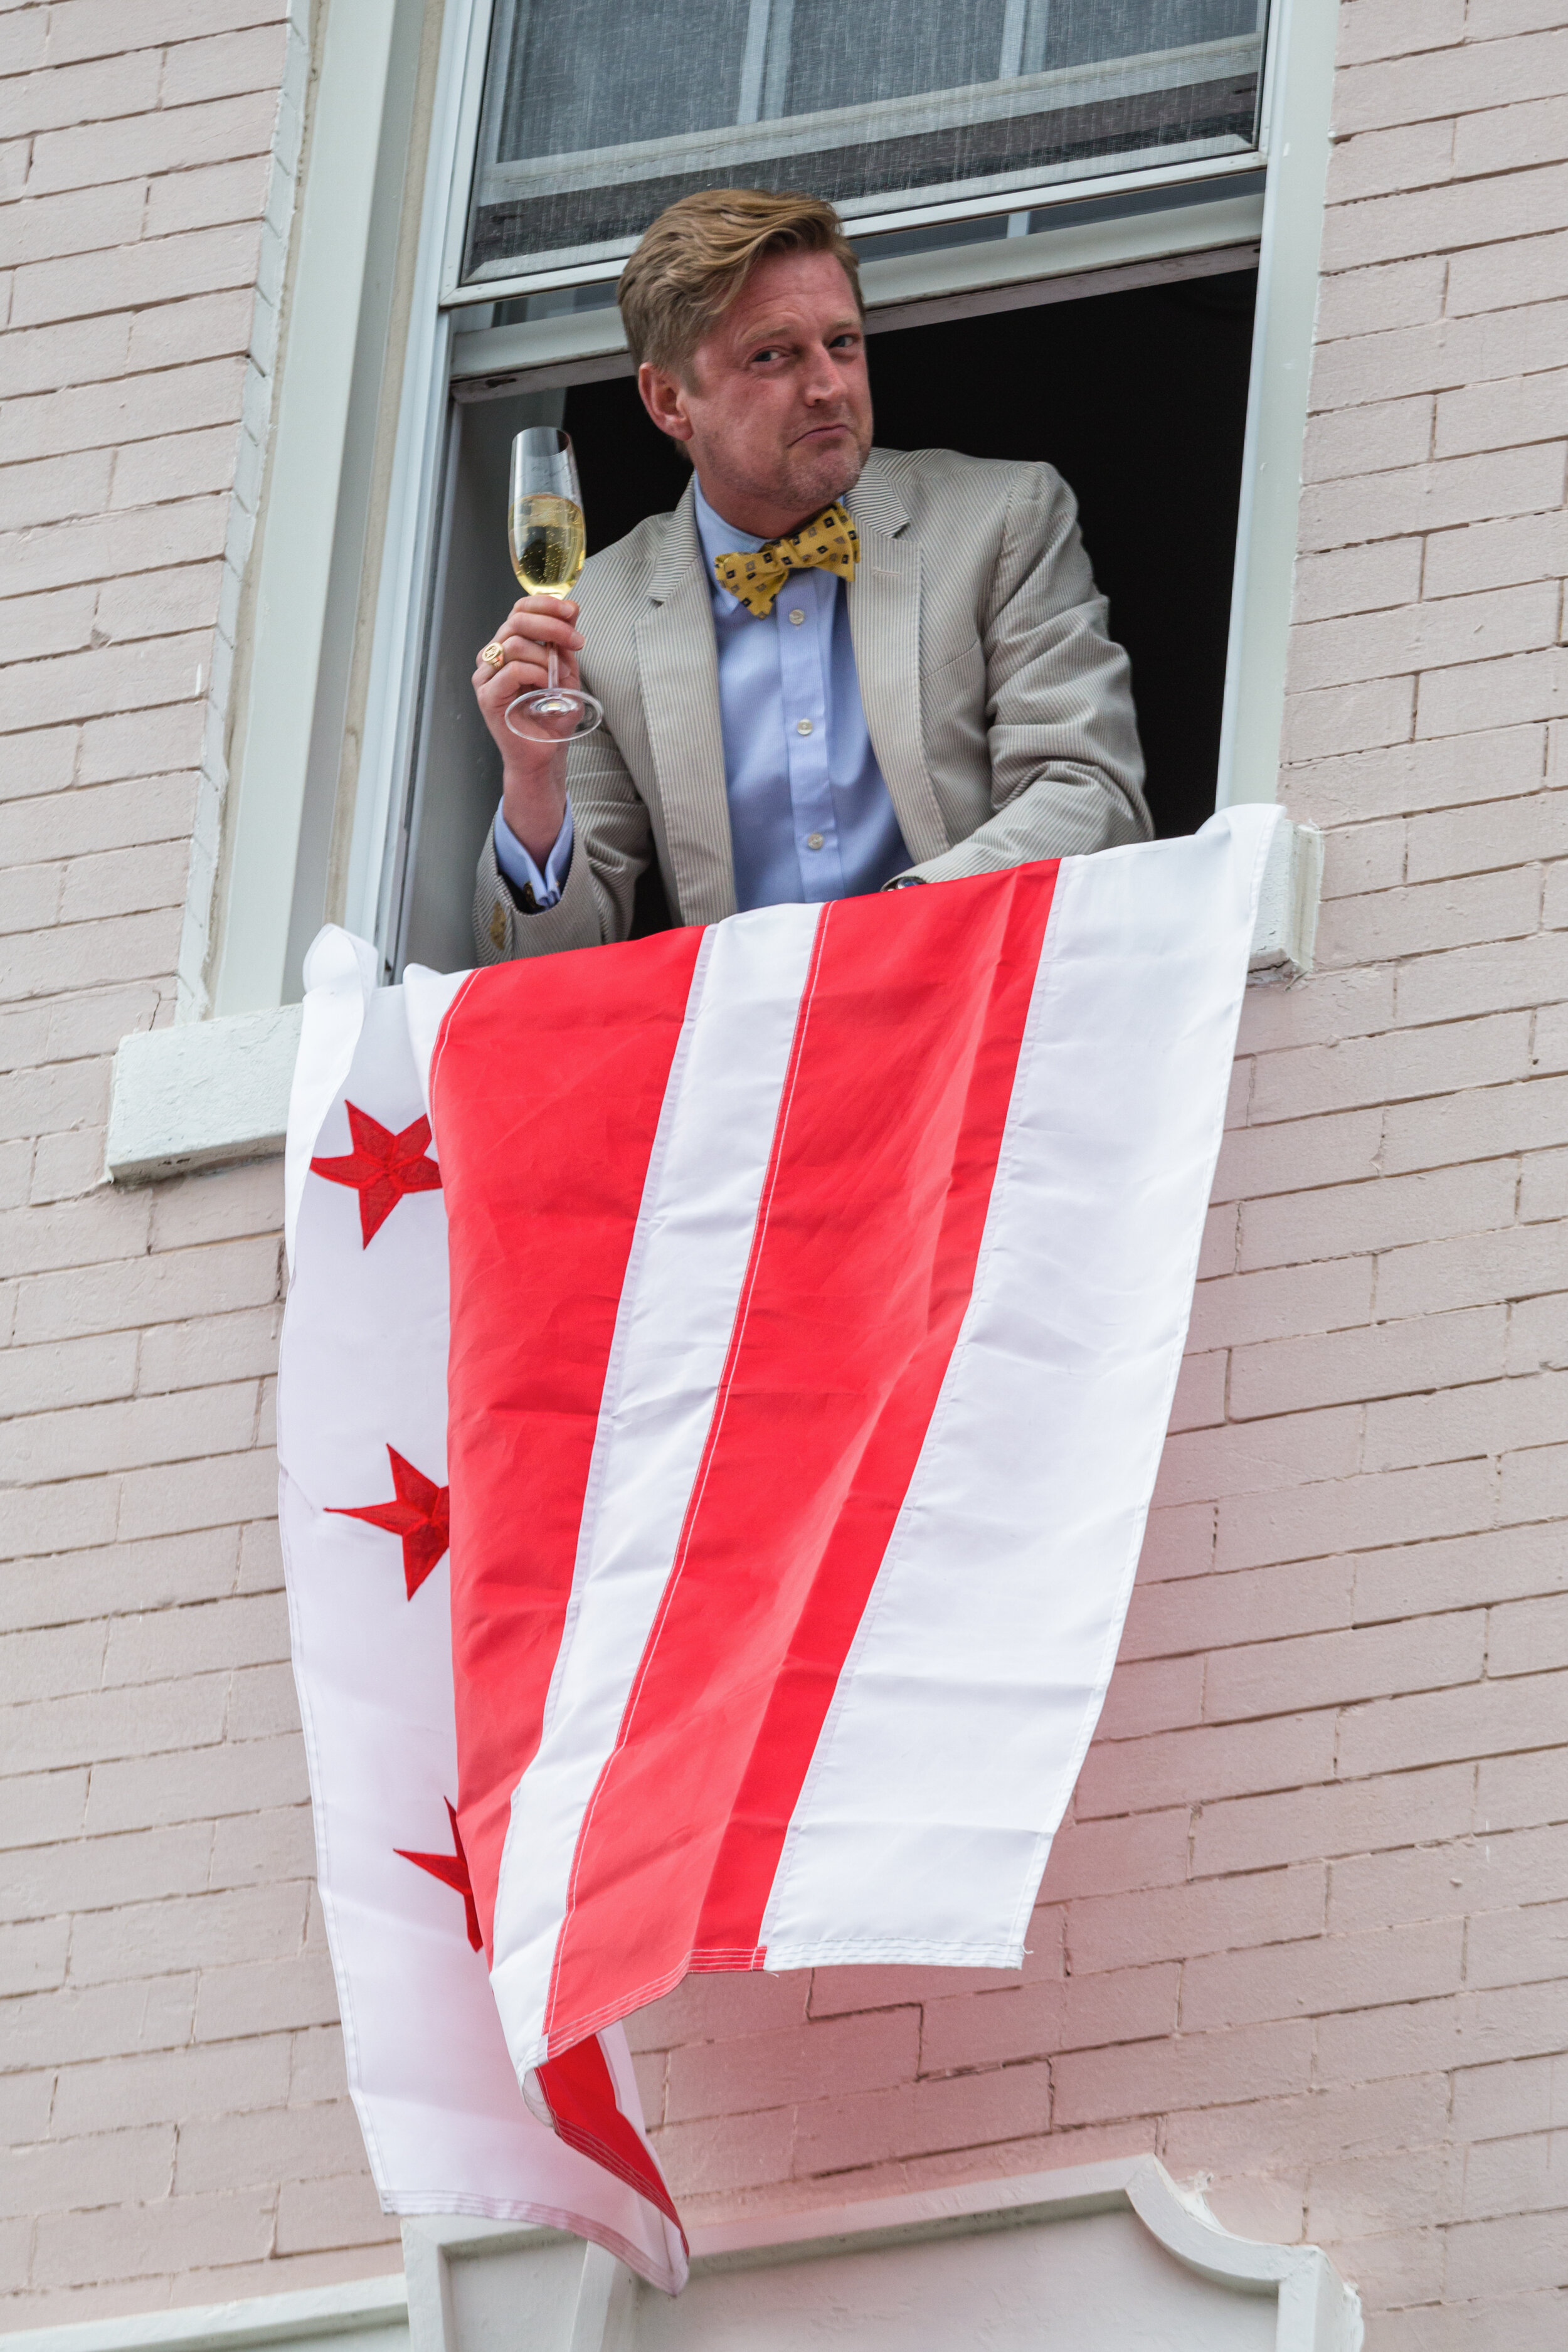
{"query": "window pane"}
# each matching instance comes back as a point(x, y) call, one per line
point(920, 45)
point(601, 72)
point(596, 118)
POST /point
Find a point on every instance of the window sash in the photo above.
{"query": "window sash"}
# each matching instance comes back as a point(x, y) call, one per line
point(657, 169)
point(1036, 257)
point(831, 138)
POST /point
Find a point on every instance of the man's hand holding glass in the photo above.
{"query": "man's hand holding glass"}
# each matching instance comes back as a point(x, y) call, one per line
point(533, 766)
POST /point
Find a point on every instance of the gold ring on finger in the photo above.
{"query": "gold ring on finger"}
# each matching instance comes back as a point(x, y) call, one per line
point(493, 654)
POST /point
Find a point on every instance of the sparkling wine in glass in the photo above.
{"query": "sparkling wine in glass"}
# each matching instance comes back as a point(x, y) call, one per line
point(545, 529)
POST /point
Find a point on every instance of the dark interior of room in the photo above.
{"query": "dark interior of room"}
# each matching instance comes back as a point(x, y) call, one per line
point(1140, 399)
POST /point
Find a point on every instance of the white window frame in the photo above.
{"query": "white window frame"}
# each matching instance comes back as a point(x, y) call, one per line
point(222, 1102)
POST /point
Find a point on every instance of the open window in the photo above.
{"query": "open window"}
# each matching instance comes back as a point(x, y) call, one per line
point(1057, 205)
point(1138, 396)
point(1088, 232)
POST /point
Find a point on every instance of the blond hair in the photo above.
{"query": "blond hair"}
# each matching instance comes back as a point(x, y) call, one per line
point(699, 254)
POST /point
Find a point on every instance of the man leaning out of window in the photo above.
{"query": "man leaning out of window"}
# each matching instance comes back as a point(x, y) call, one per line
point(924, 688)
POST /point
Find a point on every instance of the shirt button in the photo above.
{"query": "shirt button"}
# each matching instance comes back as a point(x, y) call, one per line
point(803, 726)
point(814, 841)
point(797, 616)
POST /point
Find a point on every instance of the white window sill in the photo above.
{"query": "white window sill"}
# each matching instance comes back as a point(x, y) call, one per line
point(206, 1094)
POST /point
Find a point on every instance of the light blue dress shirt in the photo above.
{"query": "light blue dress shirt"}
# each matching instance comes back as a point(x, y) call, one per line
point(810, 815)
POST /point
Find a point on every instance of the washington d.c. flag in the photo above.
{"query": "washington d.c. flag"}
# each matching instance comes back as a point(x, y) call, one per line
point(723, 1380)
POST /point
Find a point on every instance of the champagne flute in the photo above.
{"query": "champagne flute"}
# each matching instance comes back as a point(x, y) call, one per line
point(549, 545)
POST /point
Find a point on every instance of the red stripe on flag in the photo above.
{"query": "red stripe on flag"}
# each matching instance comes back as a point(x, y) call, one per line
point(580, 2092)
point(547, 1082)
point(861, 1272)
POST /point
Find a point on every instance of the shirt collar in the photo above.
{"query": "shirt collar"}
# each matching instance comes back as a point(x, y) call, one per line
point(720, 538)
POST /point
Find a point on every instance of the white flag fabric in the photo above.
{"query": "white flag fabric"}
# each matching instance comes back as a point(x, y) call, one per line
point(818, 1287)
point(363, 1506)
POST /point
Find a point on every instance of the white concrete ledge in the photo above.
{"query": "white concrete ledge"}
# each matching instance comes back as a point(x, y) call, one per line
point(372, 2314)
point(206, 1094)
point(1089, 2259)
point(1287, 930)
point(1092, 2259)
point(201, 1095)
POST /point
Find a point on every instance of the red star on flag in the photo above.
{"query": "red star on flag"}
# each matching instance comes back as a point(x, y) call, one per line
point(452, 1869)
point(420, 1513)
point(382, 1168)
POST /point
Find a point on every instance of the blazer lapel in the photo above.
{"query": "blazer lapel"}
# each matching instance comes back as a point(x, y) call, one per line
point(678, 665)
point(885, 628)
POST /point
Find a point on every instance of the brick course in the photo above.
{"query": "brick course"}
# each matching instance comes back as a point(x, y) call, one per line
point(1303, 1930)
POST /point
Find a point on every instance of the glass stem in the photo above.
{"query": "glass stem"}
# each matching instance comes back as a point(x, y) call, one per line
point(554, 668)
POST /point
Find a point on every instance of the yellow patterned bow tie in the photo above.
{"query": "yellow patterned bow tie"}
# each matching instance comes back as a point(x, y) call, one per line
point(828, 542)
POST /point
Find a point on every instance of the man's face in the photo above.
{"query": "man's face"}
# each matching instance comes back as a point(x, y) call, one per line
point(777, 413)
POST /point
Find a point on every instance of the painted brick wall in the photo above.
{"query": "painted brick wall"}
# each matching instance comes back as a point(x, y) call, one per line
point(172, 2103)
point(1304, 1932)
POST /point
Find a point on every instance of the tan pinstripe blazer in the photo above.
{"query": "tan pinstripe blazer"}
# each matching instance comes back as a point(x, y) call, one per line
point(1000, 711)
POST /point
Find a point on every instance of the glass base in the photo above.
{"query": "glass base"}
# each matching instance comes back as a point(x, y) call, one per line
point(552, 714)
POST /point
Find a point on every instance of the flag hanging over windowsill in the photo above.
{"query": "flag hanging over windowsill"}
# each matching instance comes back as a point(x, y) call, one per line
point(779, 1322)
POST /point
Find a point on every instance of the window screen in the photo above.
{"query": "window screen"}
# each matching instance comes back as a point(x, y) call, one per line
point(597, 116)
